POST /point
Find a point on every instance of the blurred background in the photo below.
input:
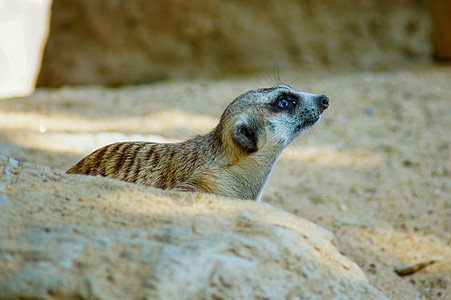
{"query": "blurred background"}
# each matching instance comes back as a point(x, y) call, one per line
point(376, 170)
point(112, 42)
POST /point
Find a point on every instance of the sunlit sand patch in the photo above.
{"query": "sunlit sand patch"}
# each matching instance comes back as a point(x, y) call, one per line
point(60, 122)
point(75, 143)
point(76, 134)
point(331, 156)
point(405, 246)
point(177, 119)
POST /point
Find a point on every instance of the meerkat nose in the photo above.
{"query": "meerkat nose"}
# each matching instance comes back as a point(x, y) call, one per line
point(323, 102)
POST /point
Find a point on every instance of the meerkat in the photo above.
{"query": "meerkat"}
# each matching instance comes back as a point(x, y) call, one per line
point(235, 159)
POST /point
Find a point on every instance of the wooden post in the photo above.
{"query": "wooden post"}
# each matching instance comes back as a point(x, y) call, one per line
point(441, 28)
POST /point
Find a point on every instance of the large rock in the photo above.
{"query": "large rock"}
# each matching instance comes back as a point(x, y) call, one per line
point(82, 237)
point(127, 42)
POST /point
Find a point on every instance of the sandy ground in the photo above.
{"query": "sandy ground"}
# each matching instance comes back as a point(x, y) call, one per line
point(375, 171)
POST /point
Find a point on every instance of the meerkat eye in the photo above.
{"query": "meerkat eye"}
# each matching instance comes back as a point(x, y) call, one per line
point(285, 102)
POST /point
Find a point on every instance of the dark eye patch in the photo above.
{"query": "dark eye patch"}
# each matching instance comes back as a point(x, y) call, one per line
point(284, 102)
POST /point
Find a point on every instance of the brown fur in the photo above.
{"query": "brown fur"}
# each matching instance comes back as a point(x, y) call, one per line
point(235, 159)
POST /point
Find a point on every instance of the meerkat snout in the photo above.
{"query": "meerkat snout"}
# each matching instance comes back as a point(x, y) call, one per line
point(235, 159)
point(323, 102)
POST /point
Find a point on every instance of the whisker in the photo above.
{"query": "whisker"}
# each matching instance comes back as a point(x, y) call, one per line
point(290, 80)
point(312, 133)
point(293, 158)
point(276, 75)
point(268, 78)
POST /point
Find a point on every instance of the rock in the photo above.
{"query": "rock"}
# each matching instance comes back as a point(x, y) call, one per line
point(42, 281)
point(89, 237)
point(13, 162)
point(130, 42)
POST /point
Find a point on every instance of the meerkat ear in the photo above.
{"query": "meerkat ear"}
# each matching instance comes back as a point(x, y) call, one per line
point(246, 136)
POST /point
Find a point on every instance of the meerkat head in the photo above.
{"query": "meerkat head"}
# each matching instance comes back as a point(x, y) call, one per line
point(273, 115)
